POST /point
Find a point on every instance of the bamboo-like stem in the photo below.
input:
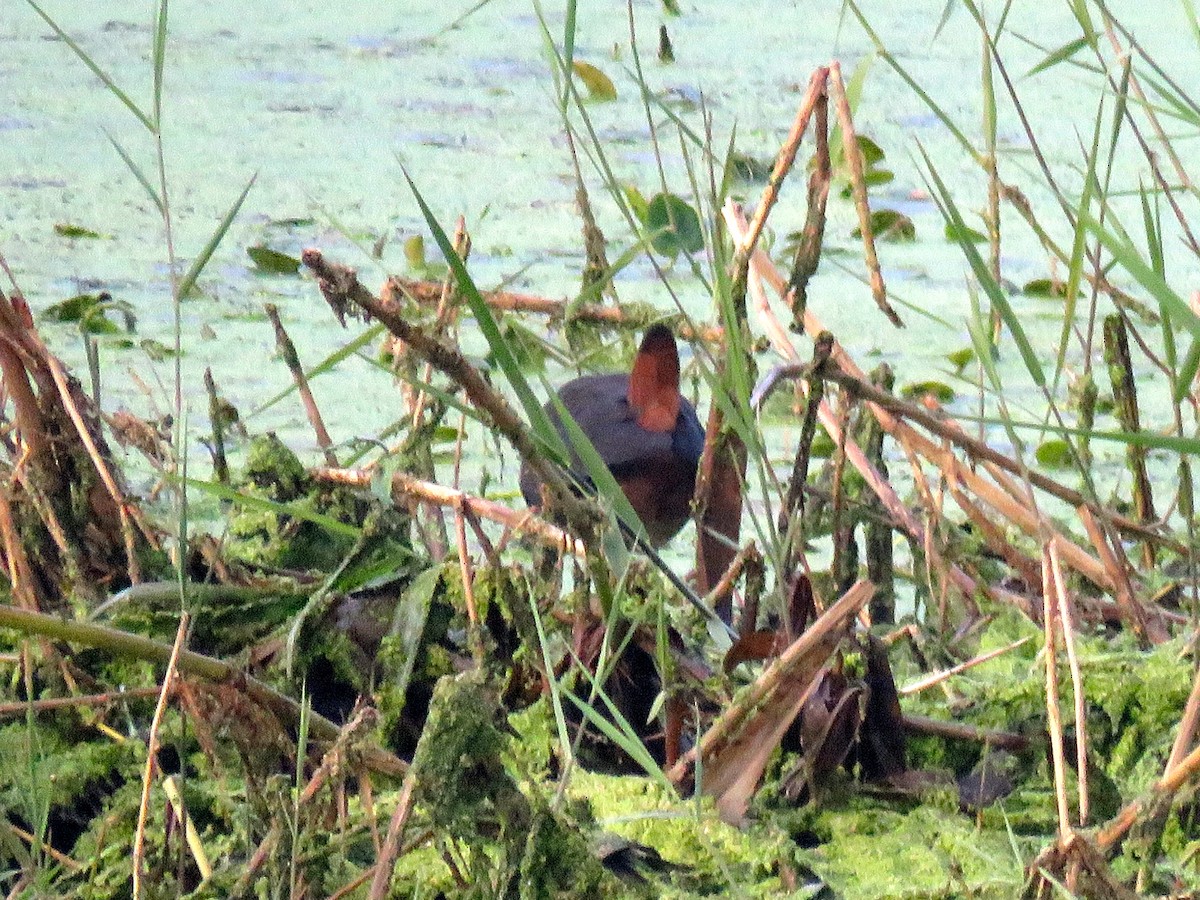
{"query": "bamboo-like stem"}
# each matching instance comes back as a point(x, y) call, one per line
point(1068, 632)
point(291, 359)
point(1053, 712)
point(629, 316)
point(935, 678)
point(858, 184)
point(120, 643)
point(1004, 740)
point(168, 688)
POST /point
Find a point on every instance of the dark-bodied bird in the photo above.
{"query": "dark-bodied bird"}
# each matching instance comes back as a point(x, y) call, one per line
point(646, 432)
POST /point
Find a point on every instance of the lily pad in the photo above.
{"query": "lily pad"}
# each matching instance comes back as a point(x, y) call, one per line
point(890, 225)
point(943, 393)
point(599, 86)
point(1044, 287)
point(954, 234)
point(272, 262)
point(91, 311)
point(1054, 454)
point(676, 225)
point(961, 358)
point(66, 229)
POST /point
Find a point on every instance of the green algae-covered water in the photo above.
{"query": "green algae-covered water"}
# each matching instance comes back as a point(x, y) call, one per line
point(324, 106)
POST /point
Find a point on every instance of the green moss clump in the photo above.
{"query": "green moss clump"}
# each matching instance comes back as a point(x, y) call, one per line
point(873, 851)
point(704, 854)
point(265, 536)
point(512, 839)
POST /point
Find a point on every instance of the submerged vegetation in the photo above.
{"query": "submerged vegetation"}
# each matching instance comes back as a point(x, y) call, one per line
point(950, 653)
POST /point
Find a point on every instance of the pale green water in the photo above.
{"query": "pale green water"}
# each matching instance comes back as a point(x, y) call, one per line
point(322, 104)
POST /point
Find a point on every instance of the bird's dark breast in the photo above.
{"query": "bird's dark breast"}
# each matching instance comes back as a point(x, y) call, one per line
point(657, 470)
point(660, 491)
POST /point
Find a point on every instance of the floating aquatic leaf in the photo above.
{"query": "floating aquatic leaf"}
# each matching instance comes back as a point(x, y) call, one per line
point(890, 225)
point(599, 86)
point(272, 261)
point(943, 393)
point(955, 233)
point(91, 311)
point(961, 358)
point(156, 350)
point(1044, 287)
point(1054, 454)
point(414, 251)
point(675, 224)
point(871, 151)
point(748, 168)
point(66, 229)
point(637, 202)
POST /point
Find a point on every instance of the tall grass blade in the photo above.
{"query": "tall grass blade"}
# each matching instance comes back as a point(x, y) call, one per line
point(622, 734)
point(137, 172)
point(159, 58)
point(1062, 54)
point(989, 284)
point(1131, 261)
point(151, 125)
point(1078, 244)
point(891, 60)
point(189, 279)
point(536, 416)
point(295, 510)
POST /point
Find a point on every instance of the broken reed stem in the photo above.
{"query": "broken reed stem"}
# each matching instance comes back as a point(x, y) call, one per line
point(120, 643)
point(1068, 632)
point(386, 859)
point(723, 458)
point(821, 638)
point(341, 288)
point(1148, 629)
point(794, 500)
point(1053, 711)
point(43, 847)
point(139, 840)
point(128, 513)
point(191, 835)
point(844, 566)
point(877, 532)
point(50, 704)
point(474, 635)
point(935, 678)
point(783, 165)
point(22, 585)
point(406, 486)
point(216, 420)
point(950, 431)
point(812, 237)
point(1003, 740)
point(1125, 400)
point(630, 316)
point(858, 184)
point(1185, 736)
point(292, 360)
point(1172, 780)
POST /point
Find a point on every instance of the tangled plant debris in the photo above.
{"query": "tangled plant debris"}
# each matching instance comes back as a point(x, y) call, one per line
point(906, 664)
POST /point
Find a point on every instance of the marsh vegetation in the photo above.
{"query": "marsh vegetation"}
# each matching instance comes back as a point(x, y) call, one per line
point(930, 632)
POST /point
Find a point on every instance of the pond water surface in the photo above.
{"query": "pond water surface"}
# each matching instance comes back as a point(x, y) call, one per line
point(324, 105)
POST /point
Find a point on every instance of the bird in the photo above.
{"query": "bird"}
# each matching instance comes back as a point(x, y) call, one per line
point(646, 432)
